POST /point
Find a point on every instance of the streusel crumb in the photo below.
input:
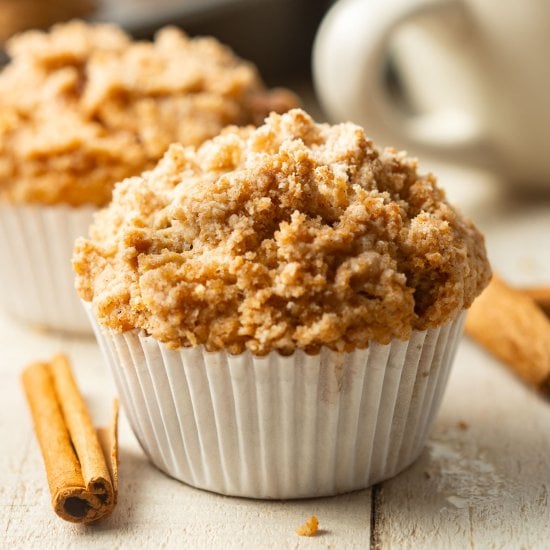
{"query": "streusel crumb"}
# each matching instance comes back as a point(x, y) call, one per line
point(83, 106)
point(309, 528)
point(291, 235)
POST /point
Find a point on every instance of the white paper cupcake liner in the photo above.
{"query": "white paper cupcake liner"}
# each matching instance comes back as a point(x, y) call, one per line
point(36, 277)
point(278, 427)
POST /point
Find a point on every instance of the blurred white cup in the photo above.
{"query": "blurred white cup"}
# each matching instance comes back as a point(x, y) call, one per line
point(476, 71)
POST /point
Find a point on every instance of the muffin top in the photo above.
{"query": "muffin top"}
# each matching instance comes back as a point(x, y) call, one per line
point(83, 106)
point(292, 235)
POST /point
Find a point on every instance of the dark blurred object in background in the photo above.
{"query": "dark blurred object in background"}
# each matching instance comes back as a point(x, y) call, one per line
point(20, 15)
point(276, 35)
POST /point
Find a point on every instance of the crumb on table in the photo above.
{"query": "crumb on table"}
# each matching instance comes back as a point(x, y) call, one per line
point(309, 528)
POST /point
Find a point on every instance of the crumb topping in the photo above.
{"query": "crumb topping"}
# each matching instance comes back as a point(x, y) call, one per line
point(83, 106)
point(291, 235)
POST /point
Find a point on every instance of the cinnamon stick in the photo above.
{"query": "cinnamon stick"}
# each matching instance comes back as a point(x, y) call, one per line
point(541, 295)
point(81, 477)
point(513, 328)
point(108, 439)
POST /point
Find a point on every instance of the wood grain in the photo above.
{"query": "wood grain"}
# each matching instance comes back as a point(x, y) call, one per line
point(153, 511)
point(484, 479)
point(482, 482)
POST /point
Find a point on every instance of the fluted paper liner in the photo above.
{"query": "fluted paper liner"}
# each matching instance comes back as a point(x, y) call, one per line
point(36, 277)
point(279, 427)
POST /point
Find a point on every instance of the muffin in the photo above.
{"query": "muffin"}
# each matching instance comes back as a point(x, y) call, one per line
point(82, 107)
point(280, 307)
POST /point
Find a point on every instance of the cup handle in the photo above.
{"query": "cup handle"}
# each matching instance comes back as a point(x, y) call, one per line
point(349, 58)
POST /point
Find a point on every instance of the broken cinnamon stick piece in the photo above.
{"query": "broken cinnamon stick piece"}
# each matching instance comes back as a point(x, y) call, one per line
point(513, 328)
point(541, 295)
point(82, 487)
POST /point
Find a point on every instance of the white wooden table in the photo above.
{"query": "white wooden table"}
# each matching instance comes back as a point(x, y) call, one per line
point(483, 481)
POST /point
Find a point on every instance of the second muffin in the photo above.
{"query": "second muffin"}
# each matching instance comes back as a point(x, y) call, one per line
point(82, 107)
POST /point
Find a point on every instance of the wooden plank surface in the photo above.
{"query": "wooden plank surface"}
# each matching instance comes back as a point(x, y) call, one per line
point(153, 511)
point(482, 482)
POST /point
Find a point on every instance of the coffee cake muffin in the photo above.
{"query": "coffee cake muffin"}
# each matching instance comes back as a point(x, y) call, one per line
point(84, 106)
point(306, 289)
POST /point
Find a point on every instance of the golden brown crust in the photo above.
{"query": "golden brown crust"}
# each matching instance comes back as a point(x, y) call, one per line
point(292, 235)
point(83, 106)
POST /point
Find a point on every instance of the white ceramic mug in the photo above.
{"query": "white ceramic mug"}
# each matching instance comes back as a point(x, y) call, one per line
point(492, 53)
